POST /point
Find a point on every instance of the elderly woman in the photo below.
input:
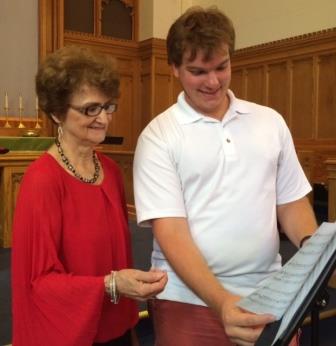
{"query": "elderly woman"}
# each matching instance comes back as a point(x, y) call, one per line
point(71, 256)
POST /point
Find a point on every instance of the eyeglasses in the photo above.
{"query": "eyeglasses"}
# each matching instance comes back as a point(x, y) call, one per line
point(95, 109)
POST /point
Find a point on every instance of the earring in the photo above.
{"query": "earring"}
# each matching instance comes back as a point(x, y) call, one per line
point(59, 132)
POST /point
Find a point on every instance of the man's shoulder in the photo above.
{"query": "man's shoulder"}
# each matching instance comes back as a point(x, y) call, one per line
point(163, 122)
point(253, 107)
point(259, 111)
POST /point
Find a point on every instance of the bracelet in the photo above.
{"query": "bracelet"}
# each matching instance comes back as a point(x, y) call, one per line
point(303, 240)
point(113, 288)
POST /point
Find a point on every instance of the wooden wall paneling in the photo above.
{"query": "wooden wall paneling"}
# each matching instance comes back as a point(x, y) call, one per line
point(331, 168)
point(12, 168)
point(146, 91)
point(237, 83)
point(157, 83)
point(321, 155)
point(326, 96)
point(279, 88)
point(11, 180)
point(163, 92)
point(124, 160)
point(306, 158)
point(302, 98)
point(123, 120)
point(51, 26)
point(177, 88)
point(163, 85)
point(255, 84)
point(126, 122)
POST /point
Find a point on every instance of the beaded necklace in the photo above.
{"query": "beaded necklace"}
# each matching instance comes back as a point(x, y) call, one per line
point(72, 169)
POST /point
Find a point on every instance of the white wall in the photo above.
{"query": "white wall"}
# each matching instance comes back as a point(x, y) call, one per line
point(256, 21)
point(146, 28)
point(261, 21)
point(165, 12)
point(19, 53)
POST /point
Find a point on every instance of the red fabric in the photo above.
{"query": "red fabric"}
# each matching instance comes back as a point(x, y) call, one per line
point(181, 324)
point(67, 236)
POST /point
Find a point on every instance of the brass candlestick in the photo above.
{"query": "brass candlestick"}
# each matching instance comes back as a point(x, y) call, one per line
point(7, 124)
point(21, 125)
point(37, 125)
point(6, 108)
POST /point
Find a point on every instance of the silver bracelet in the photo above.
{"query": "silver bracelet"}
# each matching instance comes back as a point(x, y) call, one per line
point(113, 288)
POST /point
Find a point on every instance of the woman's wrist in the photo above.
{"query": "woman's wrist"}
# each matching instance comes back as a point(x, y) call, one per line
point(111, 287)
point(106, 283)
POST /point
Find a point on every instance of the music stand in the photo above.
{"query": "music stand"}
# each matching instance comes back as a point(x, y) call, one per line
point(313, 303)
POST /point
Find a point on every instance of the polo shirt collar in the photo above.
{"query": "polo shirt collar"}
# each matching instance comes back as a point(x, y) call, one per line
point(187, 114)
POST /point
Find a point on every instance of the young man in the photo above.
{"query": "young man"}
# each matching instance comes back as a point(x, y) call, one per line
point(212, 175)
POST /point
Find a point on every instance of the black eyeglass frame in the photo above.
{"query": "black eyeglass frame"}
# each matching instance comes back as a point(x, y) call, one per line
point(85, 110)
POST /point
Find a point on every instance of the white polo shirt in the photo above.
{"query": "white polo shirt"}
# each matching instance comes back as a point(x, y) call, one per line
point(226, 177)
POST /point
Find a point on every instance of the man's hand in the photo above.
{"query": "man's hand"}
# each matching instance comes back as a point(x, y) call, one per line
point(242, 327)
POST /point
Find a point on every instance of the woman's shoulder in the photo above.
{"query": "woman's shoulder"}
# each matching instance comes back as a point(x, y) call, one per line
point(111, 169)
point(43, 169)
point(108, 163)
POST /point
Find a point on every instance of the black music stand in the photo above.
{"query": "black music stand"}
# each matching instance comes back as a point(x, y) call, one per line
point(315, 300)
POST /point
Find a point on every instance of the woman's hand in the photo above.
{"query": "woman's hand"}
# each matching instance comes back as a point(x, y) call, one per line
point(140, 285)
point(242, 327)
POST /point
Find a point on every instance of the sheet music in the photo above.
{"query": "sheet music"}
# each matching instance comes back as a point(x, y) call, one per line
point(283, 292)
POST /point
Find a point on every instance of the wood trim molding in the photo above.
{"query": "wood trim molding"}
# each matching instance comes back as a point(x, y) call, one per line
point(293, 46)
point(152, 46)
point(83, 38)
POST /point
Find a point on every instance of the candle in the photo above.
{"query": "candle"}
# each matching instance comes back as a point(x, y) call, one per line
point(20, 102)
point(6, 100)
point(36, 103)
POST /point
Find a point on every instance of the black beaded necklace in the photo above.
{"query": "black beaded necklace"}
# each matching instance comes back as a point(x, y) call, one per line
point(72, 169)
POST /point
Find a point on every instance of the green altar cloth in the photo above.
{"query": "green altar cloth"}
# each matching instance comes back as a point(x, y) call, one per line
point(26, 143)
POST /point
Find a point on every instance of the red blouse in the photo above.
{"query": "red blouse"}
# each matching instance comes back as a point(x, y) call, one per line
point(67, 236)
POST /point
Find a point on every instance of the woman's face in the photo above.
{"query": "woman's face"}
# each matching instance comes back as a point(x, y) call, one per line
point(82, 129)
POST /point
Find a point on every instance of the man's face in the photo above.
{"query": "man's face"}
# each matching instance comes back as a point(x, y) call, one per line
point(206, 82)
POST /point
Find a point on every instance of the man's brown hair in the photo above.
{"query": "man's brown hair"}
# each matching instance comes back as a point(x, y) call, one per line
point(199, 29)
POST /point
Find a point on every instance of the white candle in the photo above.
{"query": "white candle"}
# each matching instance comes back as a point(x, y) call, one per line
point(20, 102)
point(36, 103)
point(6, 100)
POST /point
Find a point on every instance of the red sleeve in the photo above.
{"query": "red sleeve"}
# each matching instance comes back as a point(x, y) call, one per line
point(50, 307)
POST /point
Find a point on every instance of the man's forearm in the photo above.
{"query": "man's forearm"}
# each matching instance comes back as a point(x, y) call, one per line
point(175, 241)
point(297, 219)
